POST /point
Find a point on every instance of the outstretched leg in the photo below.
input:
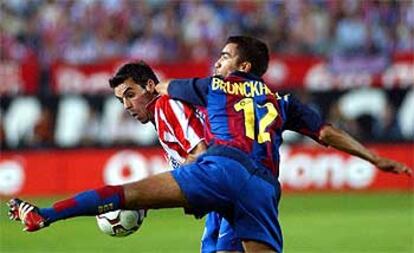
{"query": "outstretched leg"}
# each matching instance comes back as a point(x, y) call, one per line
point(159, 191)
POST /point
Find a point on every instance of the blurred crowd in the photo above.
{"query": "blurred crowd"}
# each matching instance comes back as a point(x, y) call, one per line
point(82, 31)
point(90, 31)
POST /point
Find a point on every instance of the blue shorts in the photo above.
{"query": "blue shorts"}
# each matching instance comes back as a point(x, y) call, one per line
point(227, 181)
point(218, 235)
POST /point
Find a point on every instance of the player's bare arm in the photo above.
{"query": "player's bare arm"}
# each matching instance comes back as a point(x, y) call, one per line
point(340, 140)
point(200, 148)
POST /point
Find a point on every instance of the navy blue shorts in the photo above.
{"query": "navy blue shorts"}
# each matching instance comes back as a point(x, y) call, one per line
point(243, 192)
point(219, 235)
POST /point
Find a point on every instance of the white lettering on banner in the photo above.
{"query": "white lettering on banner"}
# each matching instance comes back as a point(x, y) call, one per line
point(328, 170)
point(399, 73)
point(319, 78)
point(71, 80)
point(125, 167)
point(11, 177)
point(361, 174)
point(352, 80)
point(302, 171)
point(298, 175)
point(129, 166)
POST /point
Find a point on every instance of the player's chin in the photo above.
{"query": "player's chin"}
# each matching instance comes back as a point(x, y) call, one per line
point(142, 120)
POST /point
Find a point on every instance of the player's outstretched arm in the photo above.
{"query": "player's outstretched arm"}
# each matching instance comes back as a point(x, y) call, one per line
point(340, 140)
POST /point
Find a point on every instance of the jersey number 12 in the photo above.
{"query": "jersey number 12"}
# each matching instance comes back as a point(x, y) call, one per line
point(247, 105)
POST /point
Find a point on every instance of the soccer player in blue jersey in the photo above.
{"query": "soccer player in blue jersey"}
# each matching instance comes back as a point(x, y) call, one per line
point(238, 175)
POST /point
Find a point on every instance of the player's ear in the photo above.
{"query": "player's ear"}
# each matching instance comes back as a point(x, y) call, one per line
point(150, 86)
point(245, 67)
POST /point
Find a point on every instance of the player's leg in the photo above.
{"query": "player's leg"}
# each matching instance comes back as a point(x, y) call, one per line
point(257, 247)
point(214, 186)
point(226, 185)
point(255, 192)
point(218, 236)
point(210, 234)
point(256, 215)
point(159, 191)
point(227, 241)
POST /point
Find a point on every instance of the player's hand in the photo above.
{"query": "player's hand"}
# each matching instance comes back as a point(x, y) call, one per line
point(27, 213)
point(162, 87)
point(389, 165)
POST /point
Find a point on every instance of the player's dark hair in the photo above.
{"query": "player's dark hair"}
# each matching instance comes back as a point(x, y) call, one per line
point(139, 72)
point(252, 50)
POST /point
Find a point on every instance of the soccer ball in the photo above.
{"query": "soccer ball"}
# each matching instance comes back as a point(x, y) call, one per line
point(120, 223)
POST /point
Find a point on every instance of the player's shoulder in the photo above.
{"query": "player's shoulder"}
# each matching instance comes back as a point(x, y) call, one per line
point(162, 100)
point(165, 103)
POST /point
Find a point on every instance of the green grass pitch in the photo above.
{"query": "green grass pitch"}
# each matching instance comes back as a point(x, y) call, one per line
point(340, 222)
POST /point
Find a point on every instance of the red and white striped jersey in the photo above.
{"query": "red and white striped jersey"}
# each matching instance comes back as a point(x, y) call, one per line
point(180, 127)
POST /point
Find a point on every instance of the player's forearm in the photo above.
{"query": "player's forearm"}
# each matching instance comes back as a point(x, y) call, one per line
point(190, 159)
point(195, 152)
point(340, 140)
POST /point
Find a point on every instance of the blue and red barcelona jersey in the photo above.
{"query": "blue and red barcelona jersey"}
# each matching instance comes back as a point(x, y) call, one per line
point(242, 112)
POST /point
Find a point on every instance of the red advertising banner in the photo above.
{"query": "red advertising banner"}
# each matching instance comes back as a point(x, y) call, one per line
point(44, 173)
point(319, 74)
point(93, 78)
point(313, 73)
point(318, 168)
point(67, 171)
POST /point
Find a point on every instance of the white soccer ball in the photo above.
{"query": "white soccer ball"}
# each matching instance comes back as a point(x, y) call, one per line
point(120, 223)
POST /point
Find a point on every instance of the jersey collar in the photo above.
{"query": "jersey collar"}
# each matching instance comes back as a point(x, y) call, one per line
point(150, 106)
point(246, 75)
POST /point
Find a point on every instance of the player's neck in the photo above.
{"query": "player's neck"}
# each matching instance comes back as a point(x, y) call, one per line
point(150, 106)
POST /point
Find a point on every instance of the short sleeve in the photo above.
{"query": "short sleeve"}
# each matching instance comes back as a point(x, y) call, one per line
point(187, 126)
point(302, 119)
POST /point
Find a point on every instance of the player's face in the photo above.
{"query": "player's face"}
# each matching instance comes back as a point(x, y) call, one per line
point(228, 61)
point(135, 99)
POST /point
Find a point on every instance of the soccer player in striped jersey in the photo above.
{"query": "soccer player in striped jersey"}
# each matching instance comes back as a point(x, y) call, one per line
point(237, 175)
point(180, 129)
point(179, 126)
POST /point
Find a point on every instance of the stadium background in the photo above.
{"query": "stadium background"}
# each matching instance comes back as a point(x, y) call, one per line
point(61, 130)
